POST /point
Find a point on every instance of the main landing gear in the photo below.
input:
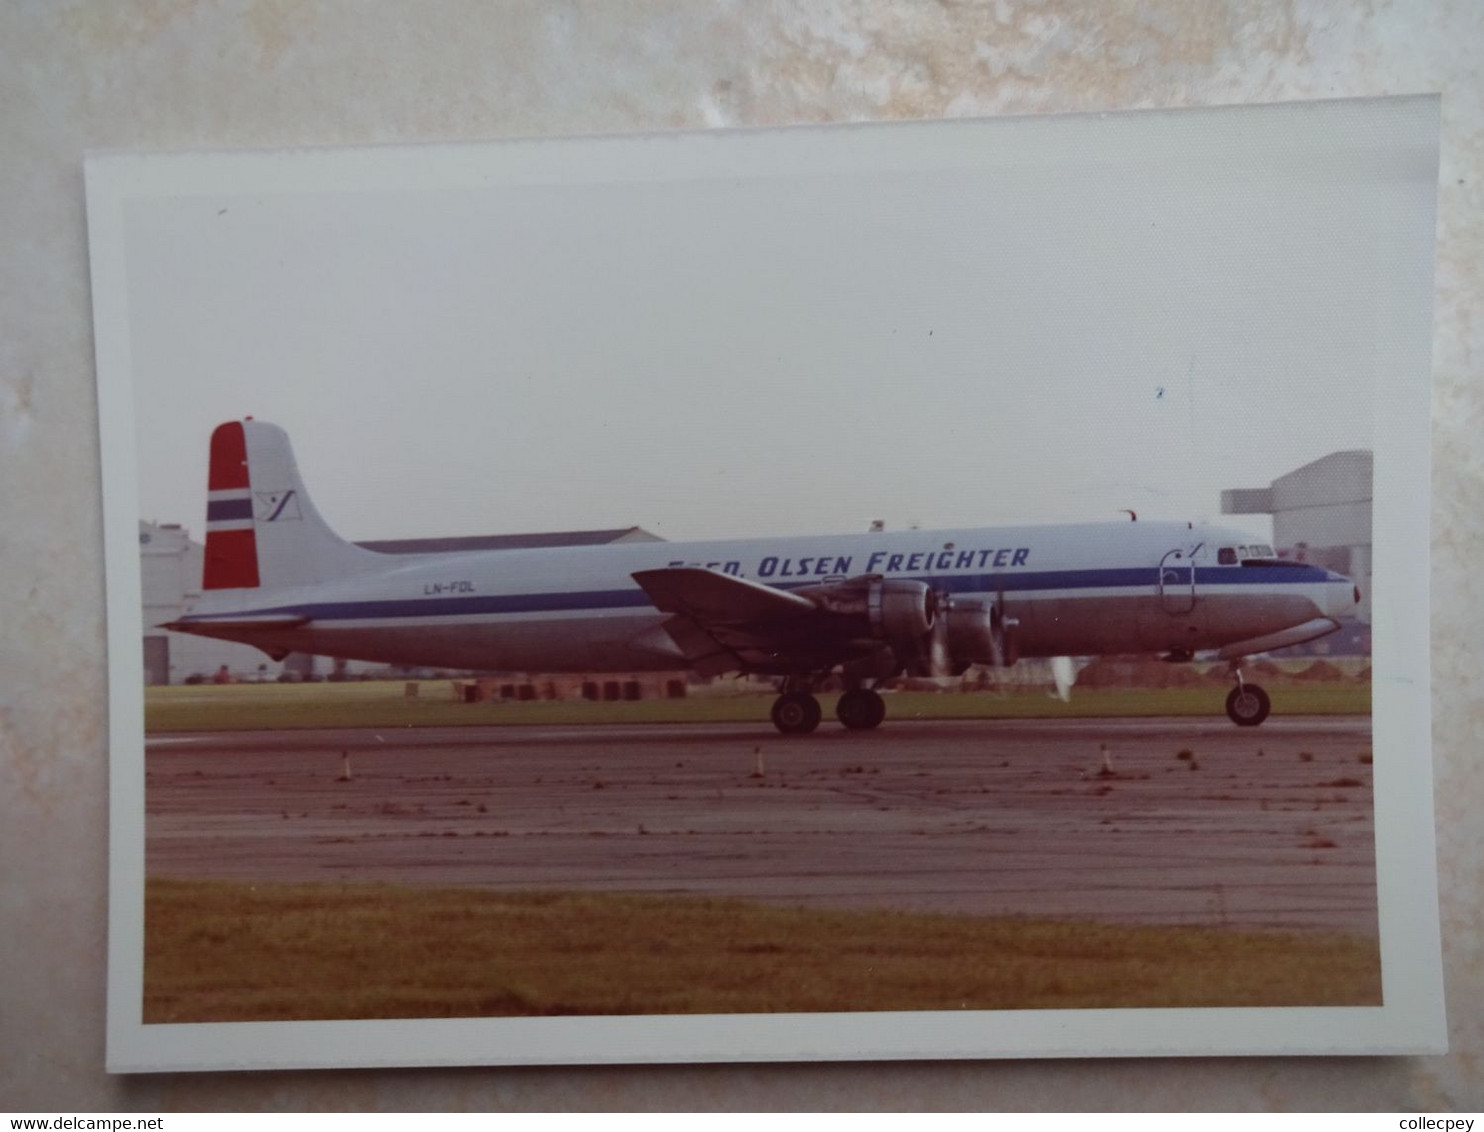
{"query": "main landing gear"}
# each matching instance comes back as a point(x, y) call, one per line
point(1247, 705)
point(861, 709)
point(797, 712)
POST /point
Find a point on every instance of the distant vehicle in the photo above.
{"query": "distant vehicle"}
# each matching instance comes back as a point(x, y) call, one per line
point(867, 606)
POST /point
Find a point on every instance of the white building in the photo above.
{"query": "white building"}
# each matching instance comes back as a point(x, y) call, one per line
point(170, 579)
point(1321, 513)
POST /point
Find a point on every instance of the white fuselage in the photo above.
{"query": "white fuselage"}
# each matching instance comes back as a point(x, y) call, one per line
point(1079, 589)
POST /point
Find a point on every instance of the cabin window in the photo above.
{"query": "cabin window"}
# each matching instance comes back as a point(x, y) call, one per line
point(1227, 556)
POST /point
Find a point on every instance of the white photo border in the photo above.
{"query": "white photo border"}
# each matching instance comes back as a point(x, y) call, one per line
point(1411, 1019)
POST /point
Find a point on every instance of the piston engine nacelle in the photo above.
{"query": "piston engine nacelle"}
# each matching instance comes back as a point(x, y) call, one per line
point(901, 612)
point(897, 612)
point(911, 620)
point(979, 634)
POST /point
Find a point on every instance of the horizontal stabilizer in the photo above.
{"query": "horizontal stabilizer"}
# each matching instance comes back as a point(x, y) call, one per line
point(206, 626)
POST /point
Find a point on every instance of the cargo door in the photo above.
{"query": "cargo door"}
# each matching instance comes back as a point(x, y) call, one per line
point(1176, 583)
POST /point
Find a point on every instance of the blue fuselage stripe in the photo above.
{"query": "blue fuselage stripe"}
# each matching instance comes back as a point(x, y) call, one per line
point(1142, 579)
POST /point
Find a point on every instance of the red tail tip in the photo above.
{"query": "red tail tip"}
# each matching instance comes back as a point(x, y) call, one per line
point(231, 544)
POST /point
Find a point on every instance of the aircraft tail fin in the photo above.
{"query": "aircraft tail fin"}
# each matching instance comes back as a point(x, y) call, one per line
point(262, 529)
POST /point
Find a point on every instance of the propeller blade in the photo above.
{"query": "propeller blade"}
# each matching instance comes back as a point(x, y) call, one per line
point(940, 659)
point(1001, 645)
point(1064, 672)
point(997, 632)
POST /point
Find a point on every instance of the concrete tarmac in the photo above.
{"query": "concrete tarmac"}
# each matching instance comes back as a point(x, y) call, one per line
point(1269, 828)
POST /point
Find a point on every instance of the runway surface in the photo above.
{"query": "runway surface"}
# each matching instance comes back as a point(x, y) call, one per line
point(1263, 828)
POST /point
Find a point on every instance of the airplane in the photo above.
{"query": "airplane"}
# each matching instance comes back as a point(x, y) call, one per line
point(867, 607)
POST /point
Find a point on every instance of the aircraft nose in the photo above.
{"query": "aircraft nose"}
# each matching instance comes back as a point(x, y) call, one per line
point(1341, 595)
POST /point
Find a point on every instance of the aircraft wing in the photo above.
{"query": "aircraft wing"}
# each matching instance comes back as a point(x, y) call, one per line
point(720, 598)
point(727, 624)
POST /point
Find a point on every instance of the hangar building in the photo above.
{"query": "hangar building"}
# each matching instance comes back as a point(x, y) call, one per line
point(170, 564)
point(1321, 514)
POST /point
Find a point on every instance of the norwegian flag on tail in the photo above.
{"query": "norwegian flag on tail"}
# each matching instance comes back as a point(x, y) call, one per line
point(262, 531)
point(231, 544)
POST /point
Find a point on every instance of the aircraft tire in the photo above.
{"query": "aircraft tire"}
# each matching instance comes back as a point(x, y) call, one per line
point(796, 713)
point(861, 709)
point(1248, 705)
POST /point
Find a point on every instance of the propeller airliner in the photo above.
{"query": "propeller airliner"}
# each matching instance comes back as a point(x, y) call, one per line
point(867, 607)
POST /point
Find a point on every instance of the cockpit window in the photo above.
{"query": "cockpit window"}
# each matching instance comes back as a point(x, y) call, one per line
point(1259, 554)
point(1227, 556)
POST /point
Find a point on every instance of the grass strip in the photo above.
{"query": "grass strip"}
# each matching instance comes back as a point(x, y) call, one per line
point(220, 951)
point(246, 707)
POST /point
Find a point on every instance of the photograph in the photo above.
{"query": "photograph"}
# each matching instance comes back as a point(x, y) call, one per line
point(939, 589)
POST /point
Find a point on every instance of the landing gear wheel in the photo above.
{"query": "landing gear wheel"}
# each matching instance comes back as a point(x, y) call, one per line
point(796, 713)
point(861, 709)
point(1248, 705)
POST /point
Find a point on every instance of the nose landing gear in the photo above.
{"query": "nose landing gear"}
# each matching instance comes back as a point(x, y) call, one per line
point(1247, 705)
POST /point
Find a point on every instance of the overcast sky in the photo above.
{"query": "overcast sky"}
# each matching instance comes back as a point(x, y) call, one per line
point(723, 336)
